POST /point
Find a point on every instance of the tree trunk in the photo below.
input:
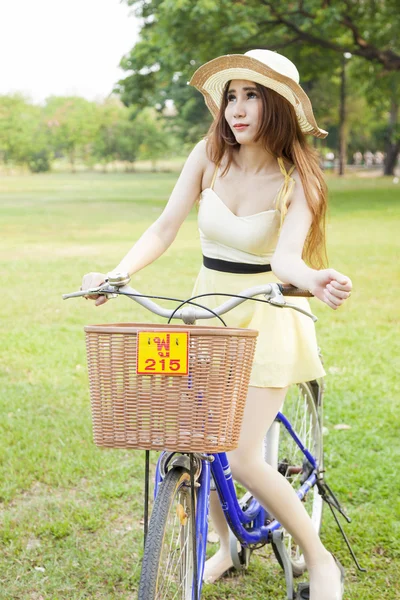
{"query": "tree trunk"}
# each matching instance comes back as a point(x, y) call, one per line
point(72, 160)
point(342, 120)
point(392, 147)
point(391, 158)
point(129, 167)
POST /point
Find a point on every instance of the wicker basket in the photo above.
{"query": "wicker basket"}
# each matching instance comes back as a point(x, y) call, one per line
point(199, 411)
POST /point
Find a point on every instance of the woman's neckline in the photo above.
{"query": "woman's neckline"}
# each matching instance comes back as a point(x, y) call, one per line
point(262, 212)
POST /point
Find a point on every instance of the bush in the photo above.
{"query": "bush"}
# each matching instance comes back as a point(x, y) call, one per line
point(39, 162)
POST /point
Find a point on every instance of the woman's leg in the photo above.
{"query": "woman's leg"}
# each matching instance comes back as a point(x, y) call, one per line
point(276, 494)
point(221, 561)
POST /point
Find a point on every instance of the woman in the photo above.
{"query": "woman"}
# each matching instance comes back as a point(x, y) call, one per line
point(261, 217)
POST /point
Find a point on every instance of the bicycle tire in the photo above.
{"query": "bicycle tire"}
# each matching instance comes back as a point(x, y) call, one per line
point(303, 408)
point(167, 567)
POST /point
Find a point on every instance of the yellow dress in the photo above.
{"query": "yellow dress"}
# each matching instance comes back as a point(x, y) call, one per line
point(286, 350)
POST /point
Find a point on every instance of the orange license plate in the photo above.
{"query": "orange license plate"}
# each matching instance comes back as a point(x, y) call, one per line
point(162, 353)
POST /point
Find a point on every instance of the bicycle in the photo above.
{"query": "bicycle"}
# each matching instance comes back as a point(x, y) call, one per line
point(176, 536)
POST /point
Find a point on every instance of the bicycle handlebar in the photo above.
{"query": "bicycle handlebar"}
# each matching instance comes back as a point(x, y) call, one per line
point(273, 293)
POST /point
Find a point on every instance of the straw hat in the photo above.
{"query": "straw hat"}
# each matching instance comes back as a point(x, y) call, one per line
point(269, 68)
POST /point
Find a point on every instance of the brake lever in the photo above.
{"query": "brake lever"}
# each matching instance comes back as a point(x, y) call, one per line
point(276, 298)
point(300, 310)
point(103, 290)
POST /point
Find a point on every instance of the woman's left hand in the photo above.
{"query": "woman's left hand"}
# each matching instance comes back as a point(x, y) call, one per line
point(331, 287)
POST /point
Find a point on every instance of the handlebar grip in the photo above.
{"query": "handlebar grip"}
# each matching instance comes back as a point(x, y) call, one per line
point(291, 290)
point(73, 295)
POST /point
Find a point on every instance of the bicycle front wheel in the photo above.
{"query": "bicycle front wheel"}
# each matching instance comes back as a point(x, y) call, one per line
point(167, 569)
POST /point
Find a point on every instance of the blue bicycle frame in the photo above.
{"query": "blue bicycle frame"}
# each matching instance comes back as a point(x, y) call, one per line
point(248, 524)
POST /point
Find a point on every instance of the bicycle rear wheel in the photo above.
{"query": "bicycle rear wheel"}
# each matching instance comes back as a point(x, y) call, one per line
point(167, 568)
point(303, 408)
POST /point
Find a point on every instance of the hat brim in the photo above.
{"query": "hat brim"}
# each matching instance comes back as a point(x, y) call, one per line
point(210, 79)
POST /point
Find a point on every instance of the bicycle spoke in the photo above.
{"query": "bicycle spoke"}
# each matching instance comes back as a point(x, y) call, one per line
point(176, 573)
point(301, 411)
point(170, 555)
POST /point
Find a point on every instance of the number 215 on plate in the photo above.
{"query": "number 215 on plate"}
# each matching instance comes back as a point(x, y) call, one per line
point(162, 353)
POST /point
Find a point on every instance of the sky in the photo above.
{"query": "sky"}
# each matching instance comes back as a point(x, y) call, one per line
point(73, 47)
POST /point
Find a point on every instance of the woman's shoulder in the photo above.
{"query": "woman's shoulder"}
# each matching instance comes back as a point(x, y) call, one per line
point(201, 148)
point(200, 154)
point(198, 166)
point(311, 187)
point(312, 180)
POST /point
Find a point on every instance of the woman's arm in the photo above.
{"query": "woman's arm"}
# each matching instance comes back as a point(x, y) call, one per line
point(328, 285)
point(160, 235)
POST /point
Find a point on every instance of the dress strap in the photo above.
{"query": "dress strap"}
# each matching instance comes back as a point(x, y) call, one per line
point(285, 173)
point(214, 176)
point(286, 189)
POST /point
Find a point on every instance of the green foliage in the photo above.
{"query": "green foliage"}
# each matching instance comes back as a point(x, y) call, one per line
point(39, 162)
point(153, 141)
point(105, 144)
point(73, 125)
point(127, 139)
point(82, 131)
point(24, 137)
point(177, 37)
point(115, 138)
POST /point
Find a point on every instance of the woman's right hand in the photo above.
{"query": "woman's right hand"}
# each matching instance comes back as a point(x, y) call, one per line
point(331, 287)
point(92, 280)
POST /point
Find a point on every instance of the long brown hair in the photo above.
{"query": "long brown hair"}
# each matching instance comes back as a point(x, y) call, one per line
point(281, 135)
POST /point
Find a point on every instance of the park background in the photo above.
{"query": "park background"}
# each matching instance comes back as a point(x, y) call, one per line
point(82, 178)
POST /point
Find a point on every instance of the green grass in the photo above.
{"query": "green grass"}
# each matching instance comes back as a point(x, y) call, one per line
point(70, 513)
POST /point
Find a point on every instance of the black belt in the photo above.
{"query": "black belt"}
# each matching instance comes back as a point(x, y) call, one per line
point(226, 266)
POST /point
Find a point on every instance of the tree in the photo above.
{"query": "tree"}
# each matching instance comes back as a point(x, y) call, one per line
point(176, 37)
point(392, 138)
point(153, 141)
point(105, 143)
point(73, 123)
point(382, 92)
point(24, 136)
point(40, 153)
point(127, 140)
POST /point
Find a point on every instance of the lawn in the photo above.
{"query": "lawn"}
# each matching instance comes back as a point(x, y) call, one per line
point(70, 513)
